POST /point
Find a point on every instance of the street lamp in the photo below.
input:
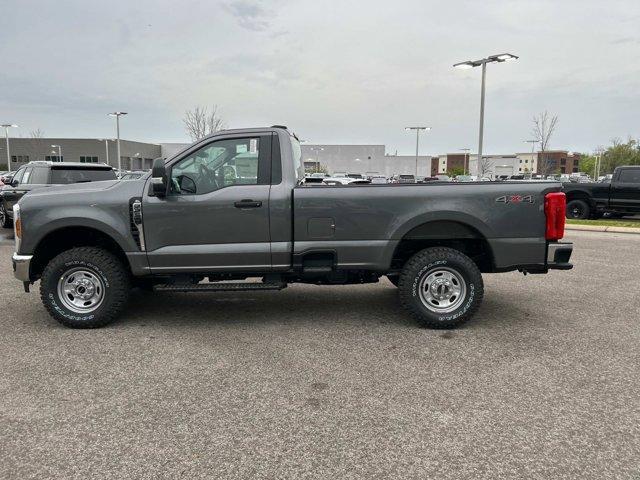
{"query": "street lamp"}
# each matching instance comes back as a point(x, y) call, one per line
point(502, 57)
point(6, 127)
point(59, 151)
point(533, 148)
point(466, 159)
point(106, 147)
point(417, 129)
point(117, 115)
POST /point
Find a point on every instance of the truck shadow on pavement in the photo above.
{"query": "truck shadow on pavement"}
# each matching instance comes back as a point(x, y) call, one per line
point(299, 305)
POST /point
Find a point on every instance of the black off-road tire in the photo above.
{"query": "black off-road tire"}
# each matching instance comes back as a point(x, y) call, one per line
point(394, 279)
point(101, 263)
point(5, 221)
point(431, 260)
point(578, 209)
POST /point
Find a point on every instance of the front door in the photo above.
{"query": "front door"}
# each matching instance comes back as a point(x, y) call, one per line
point(625, 190)
point(215, 215)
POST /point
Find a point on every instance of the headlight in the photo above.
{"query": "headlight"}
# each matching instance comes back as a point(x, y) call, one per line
point(17, 225)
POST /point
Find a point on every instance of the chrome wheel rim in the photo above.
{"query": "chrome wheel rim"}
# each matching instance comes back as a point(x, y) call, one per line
point(80, 290)
point(442, 290)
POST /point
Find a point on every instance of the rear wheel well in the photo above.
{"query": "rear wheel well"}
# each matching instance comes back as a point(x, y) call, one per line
point(455, 235)
point(579, 196)
point(67, 238)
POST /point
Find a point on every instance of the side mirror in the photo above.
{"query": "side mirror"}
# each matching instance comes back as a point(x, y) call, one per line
point(159, 178)
point(14, 183)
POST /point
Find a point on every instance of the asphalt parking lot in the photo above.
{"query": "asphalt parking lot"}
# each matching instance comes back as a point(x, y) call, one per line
point(333, 382)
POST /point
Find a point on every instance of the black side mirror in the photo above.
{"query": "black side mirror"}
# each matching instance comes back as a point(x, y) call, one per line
point(14, 183)
point(159, 178)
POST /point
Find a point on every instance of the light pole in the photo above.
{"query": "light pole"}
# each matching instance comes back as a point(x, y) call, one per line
point(533, 150)
point(59, 151)
point(6, 127)
point(106, 148)
point(417, 129)
point(466, 159)
point(503, 57)
point(117, 115)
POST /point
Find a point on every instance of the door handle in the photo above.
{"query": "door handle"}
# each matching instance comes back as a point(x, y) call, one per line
point(247, 203)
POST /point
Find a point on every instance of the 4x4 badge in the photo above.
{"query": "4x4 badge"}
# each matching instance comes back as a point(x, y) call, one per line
point(516, 199)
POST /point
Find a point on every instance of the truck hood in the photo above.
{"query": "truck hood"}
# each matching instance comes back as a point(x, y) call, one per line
point(75, 188)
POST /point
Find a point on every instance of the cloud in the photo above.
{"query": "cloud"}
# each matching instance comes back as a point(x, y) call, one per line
point(249, 14)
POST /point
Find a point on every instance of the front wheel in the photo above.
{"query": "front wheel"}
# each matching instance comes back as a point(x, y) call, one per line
point(441, 287)
point(85, 287)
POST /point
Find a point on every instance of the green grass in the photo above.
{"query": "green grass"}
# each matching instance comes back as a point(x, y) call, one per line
point(605, 223)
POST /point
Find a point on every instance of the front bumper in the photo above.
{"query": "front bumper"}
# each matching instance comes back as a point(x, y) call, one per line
point(558, 255)
point(21, 266)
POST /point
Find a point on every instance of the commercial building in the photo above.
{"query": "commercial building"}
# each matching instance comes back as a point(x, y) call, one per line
point(134, 155)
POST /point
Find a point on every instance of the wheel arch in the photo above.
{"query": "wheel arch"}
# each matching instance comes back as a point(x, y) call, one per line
point(454, 234)
point(65, 238)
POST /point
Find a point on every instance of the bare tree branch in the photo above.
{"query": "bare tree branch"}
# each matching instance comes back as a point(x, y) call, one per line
point(201, 122)
point(485, 165)
point(37, 146)
point(543, 128)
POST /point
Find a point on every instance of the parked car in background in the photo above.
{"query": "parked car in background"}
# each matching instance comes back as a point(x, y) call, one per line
point(406, 179)
point(39, 174)
point(379, 179)
point(464, 178)
point(443, 178)
point(621, 196)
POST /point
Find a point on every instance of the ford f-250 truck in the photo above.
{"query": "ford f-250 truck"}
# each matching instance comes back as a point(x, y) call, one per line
point(618, 197)
point(233, 206)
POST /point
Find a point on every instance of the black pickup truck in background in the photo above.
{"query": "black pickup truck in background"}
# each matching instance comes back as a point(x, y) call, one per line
point(617, 198)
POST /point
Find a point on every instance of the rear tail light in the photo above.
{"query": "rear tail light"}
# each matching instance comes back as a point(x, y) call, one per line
point(555, 208)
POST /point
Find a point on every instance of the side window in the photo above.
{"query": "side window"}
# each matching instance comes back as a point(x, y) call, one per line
point(27, 176)
point(630, 175)
point(18, 176)
point(217, 165)
point(39, 176)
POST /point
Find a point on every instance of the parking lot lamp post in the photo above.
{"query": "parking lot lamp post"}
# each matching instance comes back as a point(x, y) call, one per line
point(417, 129)
point(465, 167)
point(503, 57)
point(106, 148)
point(59, 151)
point(6, 127)
point(117, 115)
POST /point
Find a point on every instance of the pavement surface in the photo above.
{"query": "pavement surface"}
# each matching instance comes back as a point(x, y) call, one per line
point(333, 382)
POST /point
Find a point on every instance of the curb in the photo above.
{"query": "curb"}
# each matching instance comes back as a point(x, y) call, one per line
point(602, 228)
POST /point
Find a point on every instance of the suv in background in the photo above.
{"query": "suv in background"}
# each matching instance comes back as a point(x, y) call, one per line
point(43, 174)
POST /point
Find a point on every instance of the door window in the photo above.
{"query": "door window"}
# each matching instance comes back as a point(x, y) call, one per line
point(217, 165)
point(18, 176)
point(27, 175)
point(630, 175)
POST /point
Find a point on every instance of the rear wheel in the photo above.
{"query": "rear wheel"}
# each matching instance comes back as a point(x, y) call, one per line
point(85, 287)
point(441, 287)
point(578, 209)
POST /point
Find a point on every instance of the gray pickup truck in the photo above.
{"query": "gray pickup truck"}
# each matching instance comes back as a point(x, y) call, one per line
point(234, 206)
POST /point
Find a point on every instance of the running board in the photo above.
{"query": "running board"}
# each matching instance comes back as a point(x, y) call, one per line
point(217, 287)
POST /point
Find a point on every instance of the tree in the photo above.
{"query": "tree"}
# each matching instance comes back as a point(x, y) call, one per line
point(37, 146)
point(201, 122)
point(455, 171)
point(544, 126)
point(485, 165)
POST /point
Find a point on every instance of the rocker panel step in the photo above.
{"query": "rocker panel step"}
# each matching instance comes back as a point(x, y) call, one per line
point(218, 287)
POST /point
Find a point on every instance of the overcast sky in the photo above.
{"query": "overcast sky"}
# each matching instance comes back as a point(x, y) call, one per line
point(333, 71)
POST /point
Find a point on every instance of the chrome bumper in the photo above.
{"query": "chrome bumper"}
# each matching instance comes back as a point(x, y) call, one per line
point(559, 254)
point(21, 265)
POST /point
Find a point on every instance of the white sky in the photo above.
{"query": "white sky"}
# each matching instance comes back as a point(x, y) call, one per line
point(333, 71)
